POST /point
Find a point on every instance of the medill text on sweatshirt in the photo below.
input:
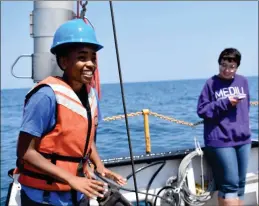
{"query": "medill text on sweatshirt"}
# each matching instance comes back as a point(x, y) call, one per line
point(225, 125)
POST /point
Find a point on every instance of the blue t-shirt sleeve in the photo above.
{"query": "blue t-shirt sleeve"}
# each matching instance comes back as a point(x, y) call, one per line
point(39, 115)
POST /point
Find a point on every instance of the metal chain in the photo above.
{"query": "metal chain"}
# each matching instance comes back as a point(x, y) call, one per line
point(170, 119)
point(118, 117)
point(254, 103)
point(107, 119)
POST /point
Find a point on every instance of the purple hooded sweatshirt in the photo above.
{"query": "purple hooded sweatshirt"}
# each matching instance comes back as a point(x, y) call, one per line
point(225, 125)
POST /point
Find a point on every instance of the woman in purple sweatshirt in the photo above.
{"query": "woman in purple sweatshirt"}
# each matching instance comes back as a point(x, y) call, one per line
point(224, 106)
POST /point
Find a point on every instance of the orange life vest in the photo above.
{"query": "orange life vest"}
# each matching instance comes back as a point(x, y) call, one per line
point(68, 142)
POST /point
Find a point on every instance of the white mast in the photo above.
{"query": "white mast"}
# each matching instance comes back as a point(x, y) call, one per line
point(46, 17)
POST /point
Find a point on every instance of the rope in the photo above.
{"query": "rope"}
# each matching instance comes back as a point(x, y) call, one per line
point(123, 101)
point(182, 187)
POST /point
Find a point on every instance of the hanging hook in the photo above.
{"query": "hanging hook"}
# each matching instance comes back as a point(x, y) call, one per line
point(83, 11)
point(83, 4)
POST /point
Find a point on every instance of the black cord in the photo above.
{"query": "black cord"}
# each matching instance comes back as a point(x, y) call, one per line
point(153, 176)
point(123, 101)
point(151, 180)
point(149, 184)
point(163, 188)
point(145, 193)
point(118, 187)
point(144, 167)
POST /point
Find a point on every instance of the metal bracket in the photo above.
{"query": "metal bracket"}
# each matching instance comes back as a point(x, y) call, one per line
point(23, 55)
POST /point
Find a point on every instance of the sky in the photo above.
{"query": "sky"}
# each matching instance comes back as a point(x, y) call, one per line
point(158, 40)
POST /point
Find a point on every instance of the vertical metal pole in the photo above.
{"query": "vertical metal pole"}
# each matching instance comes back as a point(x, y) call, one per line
point(146, 130)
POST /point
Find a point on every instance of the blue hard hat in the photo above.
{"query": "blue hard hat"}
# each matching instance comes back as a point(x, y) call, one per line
point(75, 31)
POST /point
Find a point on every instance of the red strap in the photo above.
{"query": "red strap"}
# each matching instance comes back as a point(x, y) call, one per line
point(96, 78)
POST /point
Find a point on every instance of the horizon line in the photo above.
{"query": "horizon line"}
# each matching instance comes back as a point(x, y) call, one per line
point(132, 82)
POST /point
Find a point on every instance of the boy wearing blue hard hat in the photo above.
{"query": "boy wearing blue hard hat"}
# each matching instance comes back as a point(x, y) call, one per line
point(56, 139)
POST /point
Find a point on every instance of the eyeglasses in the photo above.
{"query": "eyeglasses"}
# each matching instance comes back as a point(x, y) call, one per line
point(231, 67)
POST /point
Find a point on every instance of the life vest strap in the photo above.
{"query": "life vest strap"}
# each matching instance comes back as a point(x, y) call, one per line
point(40, 176)
point(55, 157)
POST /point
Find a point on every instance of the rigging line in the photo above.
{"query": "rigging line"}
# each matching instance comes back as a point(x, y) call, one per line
point(77, 9)
point(123, 101)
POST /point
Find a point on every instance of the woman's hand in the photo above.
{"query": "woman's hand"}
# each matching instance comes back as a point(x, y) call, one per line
point(234, 101)
point(111, 175)
point(90, 187)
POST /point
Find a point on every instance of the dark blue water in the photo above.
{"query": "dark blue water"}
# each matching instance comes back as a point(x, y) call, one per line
point(176, 99)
